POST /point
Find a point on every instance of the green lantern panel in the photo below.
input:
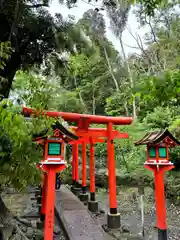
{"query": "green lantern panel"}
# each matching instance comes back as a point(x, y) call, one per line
point(152, 152)
point(54, 148)
point(162, 153)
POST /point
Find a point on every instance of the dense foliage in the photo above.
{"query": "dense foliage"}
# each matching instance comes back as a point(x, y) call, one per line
point(72, 66)
point(19, 154)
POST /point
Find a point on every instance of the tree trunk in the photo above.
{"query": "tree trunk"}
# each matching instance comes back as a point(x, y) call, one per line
point(110, 70)
point(130, 77)
point(93, 101)
point(79, 93)
point(114, 79)
point(8, 73)
point(6, 84)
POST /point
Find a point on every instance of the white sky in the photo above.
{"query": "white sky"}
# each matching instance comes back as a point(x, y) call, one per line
point(55, 7)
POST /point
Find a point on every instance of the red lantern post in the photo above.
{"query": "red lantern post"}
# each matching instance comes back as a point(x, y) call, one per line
point(52, 163)
point(158, 162)
point(159, 172)
point(48, 194)
point(51, 169)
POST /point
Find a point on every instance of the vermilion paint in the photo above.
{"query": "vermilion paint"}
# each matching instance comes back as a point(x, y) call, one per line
point(75, 117)
point(92, 168)
point(98, 132)
point(50, 199)
point(76, 152)
point(84, 164)
point(87, 140)
point(73, 163)
point(111, 170)
point(159, 193)
point(51, 170)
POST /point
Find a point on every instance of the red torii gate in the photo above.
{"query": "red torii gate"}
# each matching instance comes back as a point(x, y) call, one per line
point(75, 174)
point(91, 136)
point(83, 121)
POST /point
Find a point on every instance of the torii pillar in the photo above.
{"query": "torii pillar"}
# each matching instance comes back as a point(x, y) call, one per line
point(92, 204)
point(113, 217)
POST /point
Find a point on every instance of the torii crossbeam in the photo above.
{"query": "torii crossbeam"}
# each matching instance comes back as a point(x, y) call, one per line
point(76, 117)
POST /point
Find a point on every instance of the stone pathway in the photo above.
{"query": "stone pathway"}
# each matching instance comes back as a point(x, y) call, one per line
point(76, 218)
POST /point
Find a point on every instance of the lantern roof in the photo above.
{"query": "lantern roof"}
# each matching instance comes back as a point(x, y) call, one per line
point(158, 137)
point(58, 128)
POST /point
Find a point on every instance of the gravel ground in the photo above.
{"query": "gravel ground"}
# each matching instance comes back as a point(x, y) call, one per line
point(21, 204)
point(129, 207)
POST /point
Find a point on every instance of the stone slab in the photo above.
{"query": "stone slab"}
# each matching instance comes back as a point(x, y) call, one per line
point(76, 219)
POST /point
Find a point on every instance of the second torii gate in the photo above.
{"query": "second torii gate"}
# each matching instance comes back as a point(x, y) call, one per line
point(91, 136)
point(84, 121)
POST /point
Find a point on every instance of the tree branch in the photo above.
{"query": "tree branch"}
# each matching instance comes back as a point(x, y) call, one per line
point(140, 44)
point(110, 70)
point(130, 46)
point(152, 29)
point(36, 5)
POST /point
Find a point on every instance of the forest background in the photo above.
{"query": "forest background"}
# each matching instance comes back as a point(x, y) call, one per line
point(50, 63)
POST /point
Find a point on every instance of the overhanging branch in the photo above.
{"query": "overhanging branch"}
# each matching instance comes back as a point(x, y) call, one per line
point(36, 5)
